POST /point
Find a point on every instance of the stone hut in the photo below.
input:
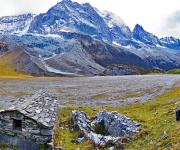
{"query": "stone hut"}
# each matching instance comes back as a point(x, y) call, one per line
point(30, 122)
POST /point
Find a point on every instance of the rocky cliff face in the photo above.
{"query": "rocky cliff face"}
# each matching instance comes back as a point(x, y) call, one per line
point(171, 42)
point(145, 37)
point(15, 24)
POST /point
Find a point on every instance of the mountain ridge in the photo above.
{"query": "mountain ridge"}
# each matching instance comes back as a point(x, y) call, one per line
point(110, 27)
point(101, 39)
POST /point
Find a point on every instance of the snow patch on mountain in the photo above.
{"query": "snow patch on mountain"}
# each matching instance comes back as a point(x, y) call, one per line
point(53, 70)
point(115, 43)
point(111, 19)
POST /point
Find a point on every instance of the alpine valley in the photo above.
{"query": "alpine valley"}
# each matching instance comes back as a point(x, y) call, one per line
point(73, 39)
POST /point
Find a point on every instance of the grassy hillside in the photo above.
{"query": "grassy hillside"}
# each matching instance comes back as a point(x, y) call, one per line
point(156, 117)
point(7, 69)
point(7, 64)
point(175, 71)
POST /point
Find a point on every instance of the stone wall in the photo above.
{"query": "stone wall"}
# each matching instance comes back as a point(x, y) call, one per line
point(32, 132)
point(105, 129)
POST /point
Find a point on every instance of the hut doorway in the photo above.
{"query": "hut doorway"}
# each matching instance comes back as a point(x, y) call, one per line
point(17, 124)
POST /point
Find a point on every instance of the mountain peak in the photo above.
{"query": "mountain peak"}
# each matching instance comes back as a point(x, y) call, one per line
point(66, 1)
point(70, 7)
point(138, 28)
point(71, 2)
point(87, 5)
point(63, 2)
point(146, 37)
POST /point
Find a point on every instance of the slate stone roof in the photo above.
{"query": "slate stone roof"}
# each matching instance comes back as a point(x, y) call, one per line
point(41, 107)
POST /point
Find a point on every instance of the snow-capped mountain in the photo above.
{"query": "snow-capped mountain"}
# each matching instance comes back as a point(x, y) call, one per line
point(15, 24)
point(118, 29)
point(150, 39)
point(68, 16)
point(73, 38)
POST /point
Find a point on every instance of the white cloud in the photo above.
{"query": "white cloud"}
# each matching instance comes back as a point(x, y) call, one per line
point(152, 14)
point(13, 7)
point(172, 24)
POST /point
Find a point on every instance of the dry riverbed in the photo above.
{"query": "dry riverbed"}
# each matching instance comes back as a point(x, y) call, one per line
point(90, 91)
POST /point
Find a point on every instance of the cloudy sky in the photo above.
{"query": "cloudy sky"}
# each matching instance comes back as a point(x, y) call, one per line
point(161, 17)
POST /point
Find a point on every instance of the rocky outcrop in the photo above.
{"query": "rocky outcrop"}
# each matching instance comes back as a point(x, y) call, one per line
point(112, 127)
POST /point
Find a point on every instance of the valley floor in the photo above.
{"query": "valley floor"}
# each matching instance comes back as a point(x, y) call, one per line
point(118, 93)
point(90, 91)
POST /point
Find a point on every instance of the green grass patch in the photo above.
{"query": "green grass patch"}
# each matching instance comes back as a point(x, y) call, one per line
point(67, 139)
point(99, 96)
point(12, 93)
point(100, 129)
point(64, 136)
point(175, 71)
point(4, 146)
point(133, 94)
point(70, 102)
point(156, 117)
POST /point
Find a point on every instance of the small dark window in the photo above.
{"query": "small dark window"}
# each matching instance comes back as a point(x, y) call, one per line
point(17, 124)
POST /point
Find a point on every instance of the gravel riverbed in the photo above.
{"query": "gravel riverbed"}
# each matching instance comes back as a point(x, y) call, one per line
point(91, 91)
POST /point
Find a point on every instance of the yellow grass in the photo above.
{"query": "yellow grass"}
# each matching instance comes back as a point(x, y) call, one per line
point(7, 67)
